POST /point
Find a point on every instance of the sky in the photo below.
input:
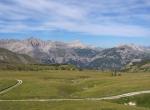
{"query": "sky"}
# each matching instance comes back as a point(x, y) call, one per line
point(103, 23)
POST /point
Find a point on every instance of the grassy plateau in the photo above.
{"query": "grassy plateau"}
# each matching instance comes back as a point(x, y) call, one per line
point(61, 84)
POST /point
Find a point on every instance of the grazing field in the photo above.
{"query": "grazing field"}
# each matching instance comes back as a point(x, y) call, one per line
point(70, 84)
point(66, 105)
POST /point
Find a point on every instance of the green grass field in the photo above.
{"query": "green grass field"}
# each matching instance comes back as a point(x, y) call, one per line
point(4, 83)
point(142, 100)
point(70, 84)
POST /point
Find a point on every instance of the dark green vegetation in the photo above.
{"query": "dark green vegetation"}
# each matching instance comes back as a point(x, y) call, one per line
point(36, 67)
point(71, 84)
point(140, 100)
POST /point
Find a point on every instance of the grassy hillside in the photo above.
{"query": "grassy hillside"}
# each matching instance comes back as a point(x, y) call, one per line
point(143, 66)
point(7, 56)
point(71, 84)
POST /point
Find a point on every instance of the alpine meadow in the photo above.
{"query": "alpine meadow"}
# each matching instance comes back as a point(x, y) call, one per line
point(74, 55)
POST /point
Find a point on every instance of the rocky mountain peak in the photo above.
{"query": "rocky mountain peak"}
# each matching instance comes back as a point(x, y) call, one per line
point(34, 42)
point(131, 47)
point(77, 44)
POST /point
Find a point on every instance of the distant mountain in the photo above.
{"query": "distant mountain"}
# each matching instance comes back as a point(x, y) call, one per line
point(9, 57)
point(138, 65)
point(118, 57)
point(49, 52)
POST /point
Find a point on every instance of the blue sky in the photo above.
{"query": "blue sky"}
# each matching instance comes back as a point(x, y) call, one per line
point(103, 23)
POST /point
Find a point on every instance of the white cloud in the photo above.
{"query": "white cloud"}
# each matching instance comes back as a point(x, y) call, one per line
point(96, 29)
point(95, 17)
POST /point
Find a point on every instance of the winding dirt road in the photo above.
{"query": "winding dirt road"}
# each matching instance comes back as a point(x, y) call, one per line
point(79, 99)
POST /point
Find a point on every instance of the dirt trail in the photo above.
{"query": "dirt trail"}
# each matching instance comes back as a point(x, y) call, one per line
point(19, 82)
point(79, 99)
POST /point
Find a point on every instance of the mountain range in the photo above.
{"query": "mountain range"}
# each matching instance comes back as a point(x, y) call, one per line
point(83, 56)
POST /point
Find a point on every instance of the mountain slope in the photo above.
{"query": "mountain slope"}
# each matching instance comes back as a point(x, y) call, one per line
point(118, 57)
point(138, 65)
point(7, 56)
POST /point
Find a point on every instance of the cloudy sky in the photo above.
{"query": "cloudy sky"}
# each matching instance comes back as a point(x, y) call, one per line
point(95, 22)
